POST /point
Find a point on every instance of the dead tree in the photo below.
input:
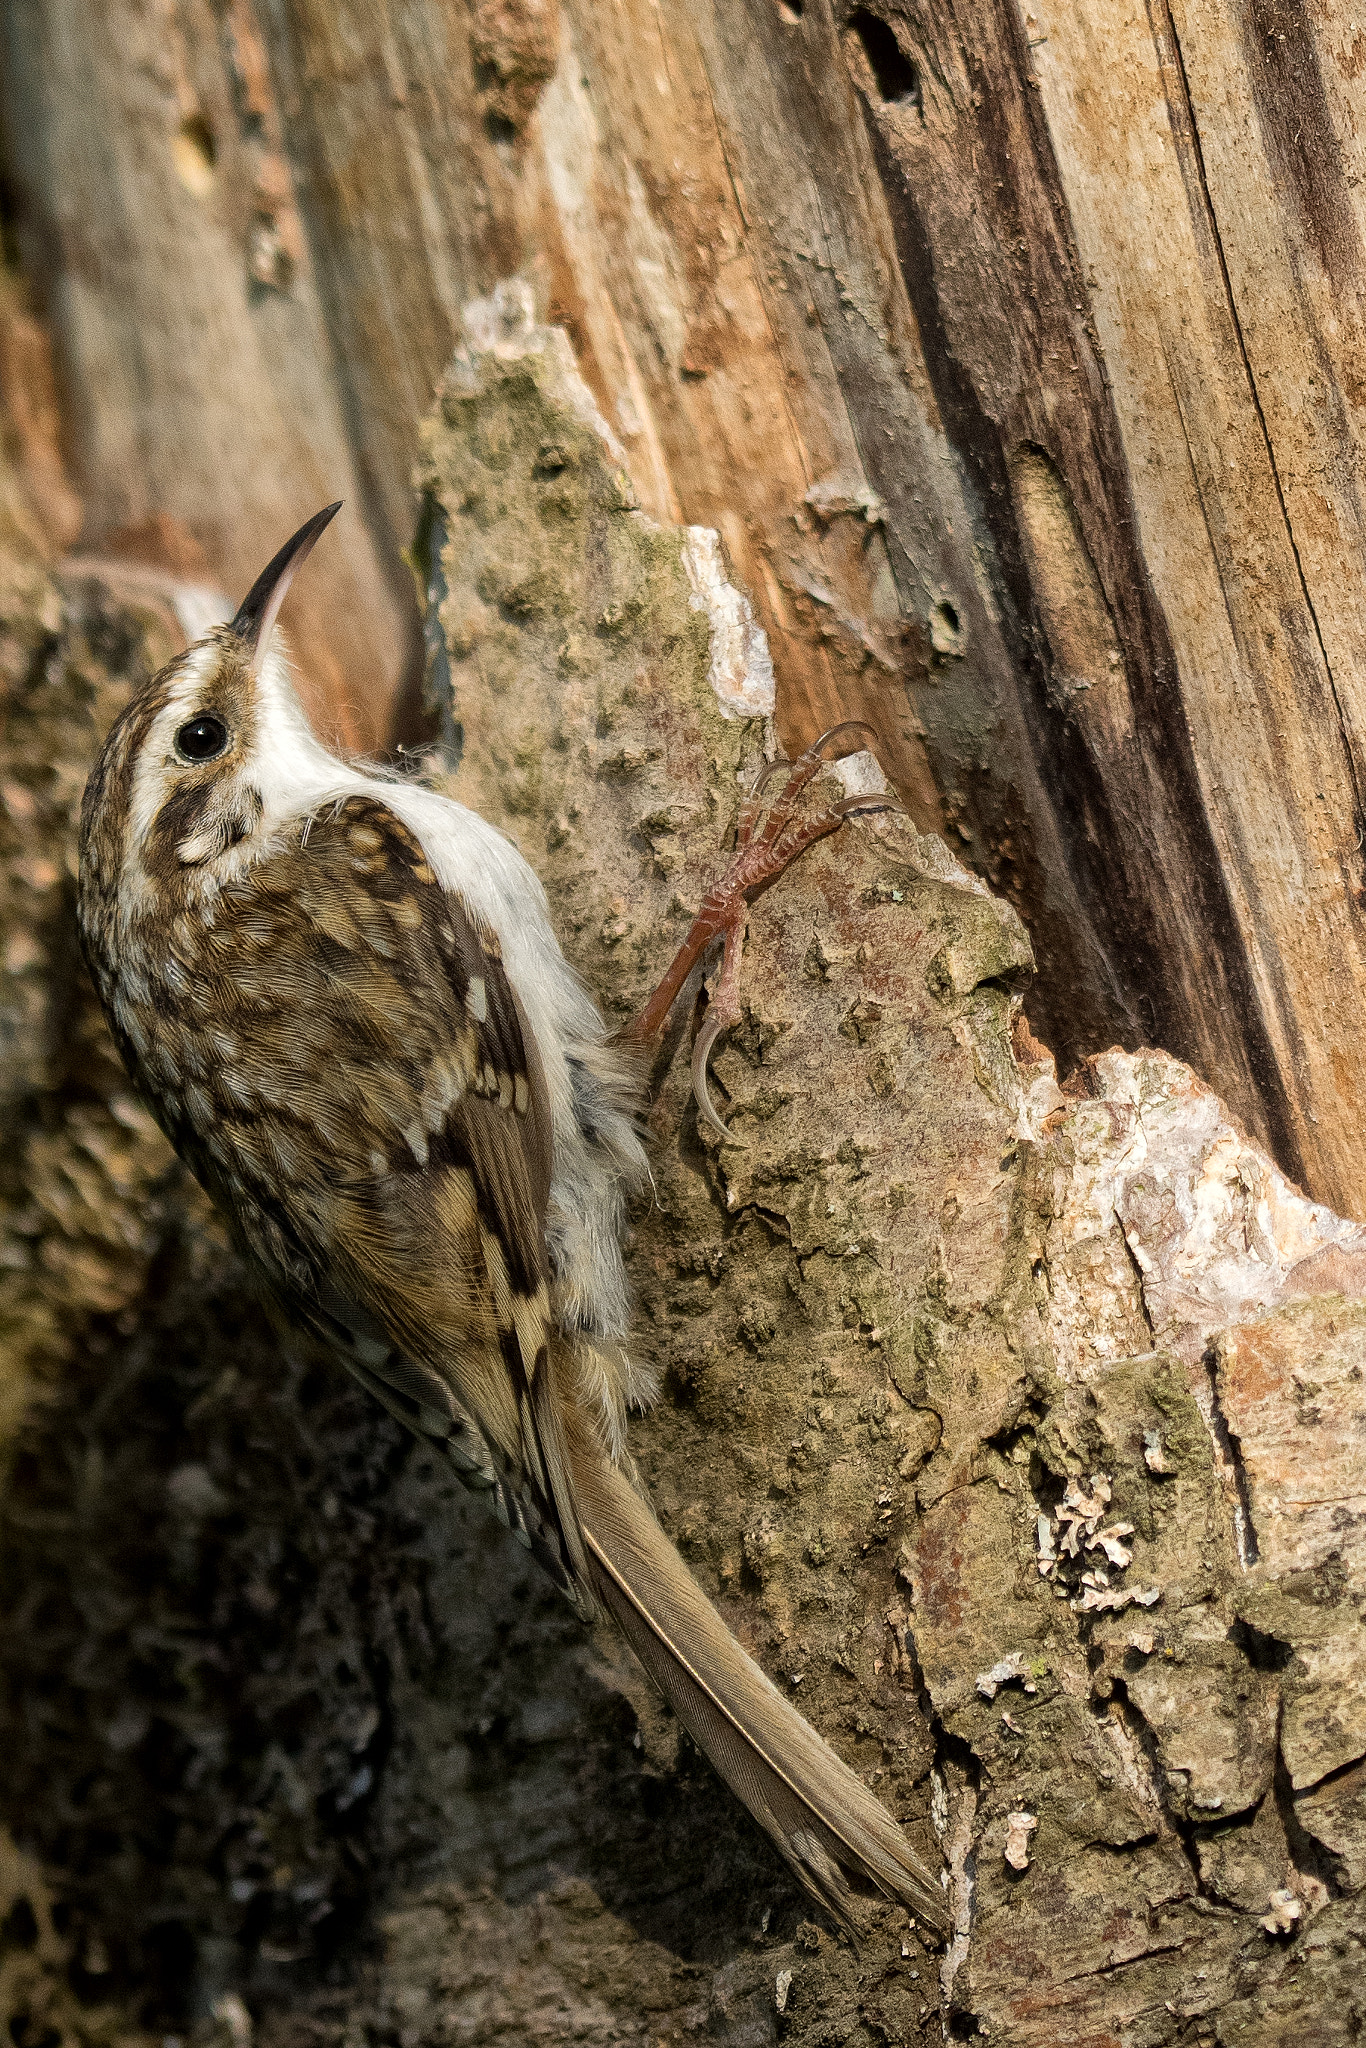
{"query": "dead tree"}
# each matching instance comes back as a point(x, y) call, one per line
point(1012, 356)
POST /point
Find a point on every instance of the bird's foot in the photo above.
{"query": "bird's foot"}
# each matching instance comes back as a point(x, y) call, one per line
point(770, 835)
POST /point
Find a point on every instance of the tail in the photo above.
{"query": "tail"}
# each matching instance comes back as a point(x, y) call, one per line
point(823, 1820)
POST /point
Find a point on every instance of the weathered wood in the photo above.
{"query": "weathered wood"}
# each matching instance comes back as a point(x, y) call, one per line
point(752, 352)
point(195, 365)
point(1025, 410)
point(1209, 159)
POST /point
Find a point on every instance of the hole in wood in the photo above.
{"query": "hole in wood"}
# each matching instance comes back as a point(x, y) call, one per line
point(895, 76)
point(19, 1928)
point(791, 11)
point(946, 631)
point(195, 154)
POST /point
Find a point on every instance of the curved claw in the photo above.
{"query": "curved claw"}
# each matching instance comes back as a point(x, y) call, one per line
point(712, 1028)
point(767, 772)
point(868, 804)
point(834, 731)
point(816, 750)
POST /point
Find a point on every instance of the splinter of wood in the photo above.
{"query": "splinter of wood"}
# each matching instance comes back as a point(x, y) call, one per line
point(768, 838)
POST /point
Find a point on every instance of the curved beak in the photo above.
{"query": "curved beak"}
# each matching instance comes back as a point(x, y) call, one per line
point(259, 609)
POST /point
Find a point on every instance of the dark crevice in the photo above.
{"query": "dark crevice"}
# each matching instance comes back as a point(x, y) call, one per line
point(196, 132)
point(1309, 1855)
point(1029, 1416)
point(1119, 1853)
point(1003, 984)
point(1183, 1829)
point(1138, 1274)
point(1145, 1956)
point(19, 1928)
point(948, 1749)
point(779, 1227)
point(894, 74)
point(9, 217)
point(1263, 1652)
point(1231, 1449)
point(1332, 1777)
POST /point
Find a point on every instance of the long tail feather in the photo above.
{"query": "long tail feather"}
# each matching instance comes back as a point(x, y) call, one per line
point(821, 1817)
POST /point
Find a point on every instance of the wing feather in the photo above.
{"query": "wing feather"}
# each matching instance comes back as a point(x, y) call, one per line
point(383, 1023)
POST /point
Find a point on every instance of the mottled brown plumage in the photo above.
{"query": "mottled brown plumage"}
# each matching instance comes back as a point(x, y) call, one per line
point(343, 1001)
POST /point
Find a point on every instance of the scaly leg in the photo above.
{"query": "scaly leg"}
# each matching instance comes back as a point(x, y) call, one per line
point(769, 837)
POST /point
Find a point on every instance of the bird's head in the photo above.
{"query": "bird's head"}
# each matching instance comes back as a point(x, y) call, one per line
point(206, 757)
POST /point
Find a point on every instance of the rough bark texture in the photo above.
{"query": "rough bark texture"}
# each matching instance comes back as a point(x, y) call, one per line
point(1019, 1432)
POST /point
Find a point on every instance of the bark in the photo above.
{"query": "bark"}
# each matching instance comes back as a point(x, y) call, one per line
point(1017, 1430)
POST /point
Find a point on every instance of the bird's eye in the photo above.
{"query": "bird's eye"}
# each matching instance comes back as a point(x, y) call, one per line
point(202, 739)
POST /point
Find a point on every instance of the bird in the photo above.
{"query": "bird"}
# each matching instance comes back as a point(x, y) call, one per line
point(341, 996)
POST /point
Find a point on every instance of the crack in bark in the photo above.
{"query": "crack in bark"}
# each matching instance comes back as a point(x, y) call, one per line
point(950, 1752)
point(1139, 1276)
point(1165, 1948)
point(1229, 1451)
point(1309, 1857)
point(1182, 1830)
point(1331, 1777)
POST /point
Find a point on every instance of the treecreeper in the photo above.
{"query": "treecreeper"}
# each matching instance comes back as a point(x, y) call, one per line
point(342, 999)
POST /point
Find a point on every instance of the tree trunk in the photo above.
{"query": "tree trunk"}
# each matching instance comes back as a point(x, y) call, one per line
point(1017, 1431)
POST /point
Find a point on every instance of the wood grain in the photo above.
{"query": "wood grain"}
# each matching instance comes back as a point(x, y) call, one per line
point(1222, 291)
point(156, 212)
